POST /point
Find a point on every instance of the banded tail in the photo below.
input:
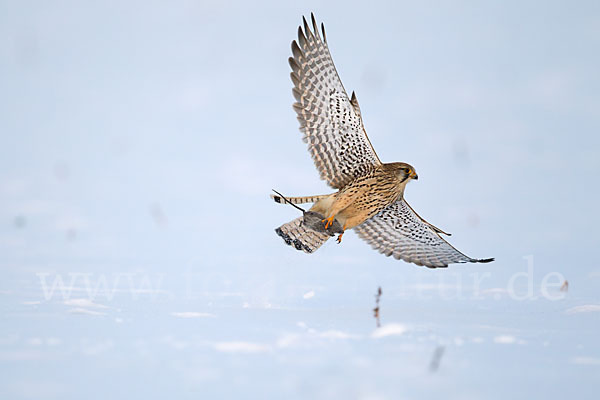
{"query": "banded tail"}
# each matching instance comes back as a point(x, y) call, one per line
point(297, 234)
point(298, 200)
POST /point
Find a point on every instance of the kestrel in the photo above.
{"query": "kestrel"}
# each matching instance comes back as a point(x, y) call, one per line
point(370, 196)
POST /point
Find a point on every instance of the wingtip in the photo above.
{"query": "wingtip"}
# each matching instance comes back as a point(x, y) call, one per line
point(314, 24)
point(293, 64)
point(485, 260)
point(301, 37)
point(296, 51)
point(307, 32)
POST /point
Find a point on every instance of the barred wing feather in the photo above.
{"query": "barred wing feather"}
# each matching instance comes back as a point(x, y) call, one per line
point(331, 122)
point(399, 231)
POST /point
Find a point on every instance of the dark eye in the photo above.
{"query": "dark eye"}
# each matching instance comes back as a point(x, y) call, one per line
point(407, 170)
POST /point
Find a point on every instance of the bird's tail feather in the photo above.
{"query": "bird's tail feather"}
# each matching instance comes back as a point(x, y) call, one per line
point(298, 200)
point(296, 234)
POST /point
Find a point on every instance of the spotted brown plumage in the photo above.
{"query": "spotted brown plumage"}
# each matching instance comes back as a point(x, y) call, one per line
point(370, 196)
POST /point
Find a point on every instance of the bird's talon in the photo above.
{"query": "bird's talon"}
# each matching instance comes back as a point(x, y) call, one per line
point(339, 238)
point(328, 222)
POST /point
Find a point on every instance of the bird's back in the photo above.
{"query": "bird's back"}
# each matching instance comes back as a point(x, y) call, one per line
point(370, 194)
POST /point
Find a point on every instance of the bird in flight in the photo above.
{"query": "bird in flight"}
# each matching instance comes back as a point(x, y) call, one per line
point(370, 194)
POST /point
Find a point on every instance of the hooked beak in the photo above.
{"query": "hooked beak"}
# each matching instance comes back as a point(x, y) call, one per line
point(414, 176)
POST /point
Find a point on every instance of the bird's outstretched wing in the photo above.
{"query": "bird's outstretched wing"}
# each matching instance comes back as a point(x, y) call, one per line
point(331, 122)
point(399, 231)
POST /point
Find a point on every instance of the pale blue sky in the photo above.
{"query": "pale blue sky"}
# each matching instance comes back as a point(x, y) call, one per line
point(144, 138)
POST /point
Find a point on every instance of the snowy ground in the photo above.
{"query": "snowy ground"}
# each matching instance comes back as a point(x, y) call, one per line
point(153, 336)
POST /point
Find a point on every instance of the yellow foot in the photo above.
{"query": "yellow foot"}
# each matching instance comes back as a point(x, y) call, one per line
point(328, 221)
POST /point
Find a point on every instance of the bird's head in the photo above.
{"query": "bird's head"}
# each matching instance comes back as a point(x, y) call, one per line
point(404, 171)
